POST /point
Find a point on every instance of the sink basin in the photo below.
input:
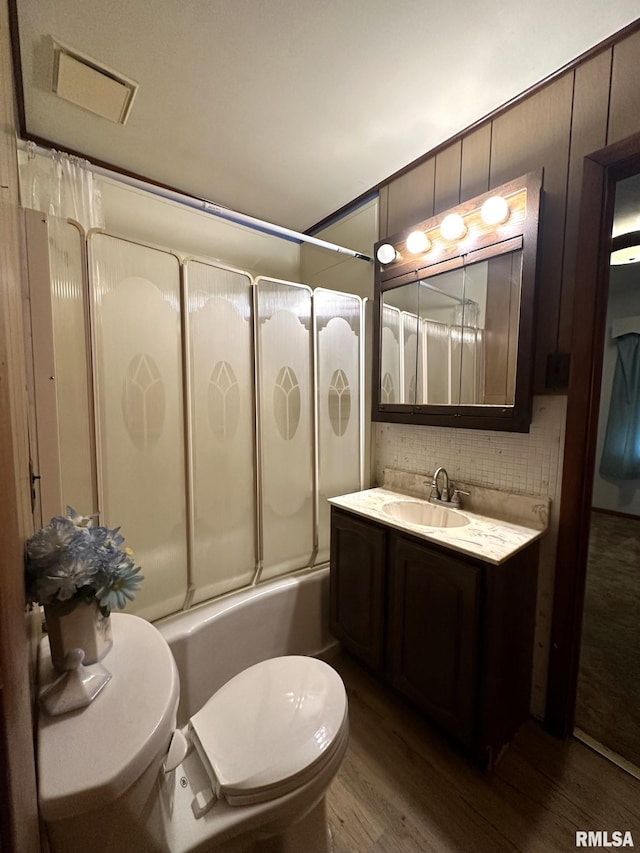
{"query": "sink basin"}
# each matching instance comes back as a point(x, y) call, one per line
point(424, 514)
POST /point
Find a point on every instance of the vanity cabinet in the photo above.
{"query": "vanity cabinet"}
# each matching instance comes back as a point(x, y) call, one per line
point(357, 596)
point(434, 607)
point(451, 633)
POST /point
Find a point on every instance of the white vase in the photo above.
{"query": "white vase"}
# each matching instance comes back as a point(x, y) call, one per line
point(84, 628)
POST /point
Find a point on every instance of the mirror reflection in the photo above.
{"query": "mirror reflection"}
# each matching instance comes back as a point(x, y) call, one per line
point(399, 344)
point(452, 339)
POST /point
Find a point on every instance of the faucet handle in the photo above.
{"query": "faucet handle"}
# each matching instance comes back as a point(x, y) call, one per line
point(456, 500)
point(430, 484)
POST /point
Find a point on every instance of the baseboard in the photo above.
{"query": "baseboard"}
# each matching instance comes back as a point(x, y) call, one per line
point(612, 756)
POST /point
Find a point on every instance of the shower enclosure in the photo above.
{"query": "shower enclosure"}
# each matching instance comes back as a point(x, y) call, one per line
point(207, 414)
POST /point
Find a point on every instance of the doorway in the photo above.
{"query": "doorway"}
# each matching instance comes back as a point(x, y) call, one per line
point(607, 715)
point(603, 170)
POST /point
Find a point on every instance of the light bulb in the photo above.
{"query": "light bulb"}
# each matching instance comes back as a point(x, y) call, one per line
point(418, 242)
point(453, 227)
point(386, 254)
point(494, 211)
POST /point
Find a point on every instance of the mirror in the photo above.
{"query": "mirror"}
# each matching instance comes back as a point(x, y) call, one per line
point(452, 339)
point(455, 334)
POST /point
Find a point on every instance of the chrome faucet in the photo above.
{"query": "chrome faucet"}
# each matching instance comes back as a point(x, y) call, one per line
point(448, 494)
point(436, 493)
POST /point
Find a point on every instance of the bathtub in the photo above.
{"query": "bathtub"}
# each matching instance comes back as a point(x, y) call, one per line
point(214, 641)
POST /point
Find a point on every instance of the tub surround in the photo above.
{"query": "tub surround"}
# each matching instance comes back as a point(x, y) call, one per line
point(500, 524)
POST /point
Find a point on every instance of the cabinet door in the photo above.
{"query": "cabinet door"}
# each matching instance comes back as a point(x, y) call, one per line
point(356, 588)
point(433, 634)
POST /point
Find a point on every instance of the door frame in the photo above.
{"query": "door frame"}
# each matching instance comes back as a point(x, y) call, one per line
point(602, 170)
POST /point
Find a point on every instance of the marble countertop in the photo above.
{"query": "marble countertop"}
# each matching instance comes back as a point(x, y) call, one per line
point(487, 539)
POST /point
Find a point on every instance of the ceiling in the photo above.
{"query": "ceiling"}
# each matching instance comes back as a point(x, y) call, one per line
point(288, 109)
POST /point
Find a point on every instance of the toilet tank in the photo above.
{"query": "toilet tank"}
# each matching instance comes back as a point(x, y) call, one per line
point(98, 766)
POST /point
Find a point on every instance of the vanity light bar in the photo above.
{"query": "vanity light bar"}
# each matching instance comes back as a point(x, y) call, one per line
point(496, 210)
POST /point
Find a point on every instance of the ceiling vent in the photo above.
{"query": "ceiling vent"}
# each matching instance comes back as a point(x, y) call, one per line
point(92, 86)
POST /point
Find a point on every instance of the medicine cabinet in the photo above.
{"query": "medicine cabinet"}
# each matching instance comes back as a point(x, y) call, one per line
point(454, 314)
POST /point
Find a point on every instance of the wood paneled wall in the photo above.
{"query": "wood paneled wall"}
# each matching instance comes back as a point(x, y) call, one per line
point(591, 105)
point(18, 802)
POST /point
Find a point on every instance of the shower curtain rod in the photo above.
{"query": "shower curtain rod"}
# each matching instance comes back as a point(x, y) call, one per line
point(435, 289)
point(210, 207)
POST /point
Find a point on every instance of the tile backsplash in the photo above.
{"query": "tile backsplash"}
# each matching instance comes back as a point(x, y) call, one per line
point(526, 463)
point(520, 462)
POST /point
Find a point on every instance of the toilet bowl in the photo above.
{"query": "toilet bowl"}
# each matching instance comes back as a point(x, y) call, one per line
point(249, 772)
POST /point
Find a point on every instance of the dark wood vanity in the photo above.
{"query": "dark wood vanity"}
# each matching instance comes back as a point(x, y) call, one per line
point(451, 633)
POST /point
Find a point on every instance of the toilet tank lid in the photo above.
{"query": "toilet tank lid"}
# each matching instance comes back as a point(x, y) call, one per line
point(270, 723)
point(88, 758)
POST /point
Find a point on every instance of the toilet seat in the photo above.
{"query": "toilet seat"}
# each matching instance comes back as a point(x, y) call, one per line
point(271, 728)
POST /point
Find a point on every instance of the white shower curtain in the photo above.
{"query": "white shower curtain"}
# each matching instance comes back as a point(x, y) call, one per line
point(63, 187)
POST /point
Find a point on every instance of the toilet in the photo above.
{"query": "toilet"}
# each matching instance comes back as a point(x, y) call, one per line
point(249, 772)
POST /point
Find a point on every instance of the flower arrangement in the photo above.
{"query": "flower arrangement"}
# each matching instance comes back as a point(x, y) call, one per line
point(71, 560)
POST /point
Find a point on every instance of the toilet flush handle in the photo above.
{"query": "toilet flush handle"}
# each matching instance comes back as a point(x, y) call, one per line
point(178, 749)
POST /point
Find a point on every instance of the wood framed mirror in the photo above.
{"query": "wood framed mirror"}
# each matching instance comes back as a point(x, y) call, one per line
point(454, 314)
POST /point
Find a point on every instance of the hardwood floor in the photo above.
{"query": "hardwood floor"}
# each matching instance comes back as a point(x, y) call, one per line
point(404, 788)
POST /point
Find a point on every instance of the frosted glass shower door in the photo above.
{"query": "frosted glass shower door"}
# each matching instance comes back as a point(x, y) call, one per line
point(338, 331)
point(286, 425)
point(221, 374)
point(141, 456)
point(69, 319)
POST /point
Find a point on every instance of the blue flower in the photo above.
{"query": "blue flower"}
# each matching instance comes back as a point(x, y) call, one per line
point(46, 546)
point(72, 560)
point(63, 580)
point(77, 519)
point(122, 587)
